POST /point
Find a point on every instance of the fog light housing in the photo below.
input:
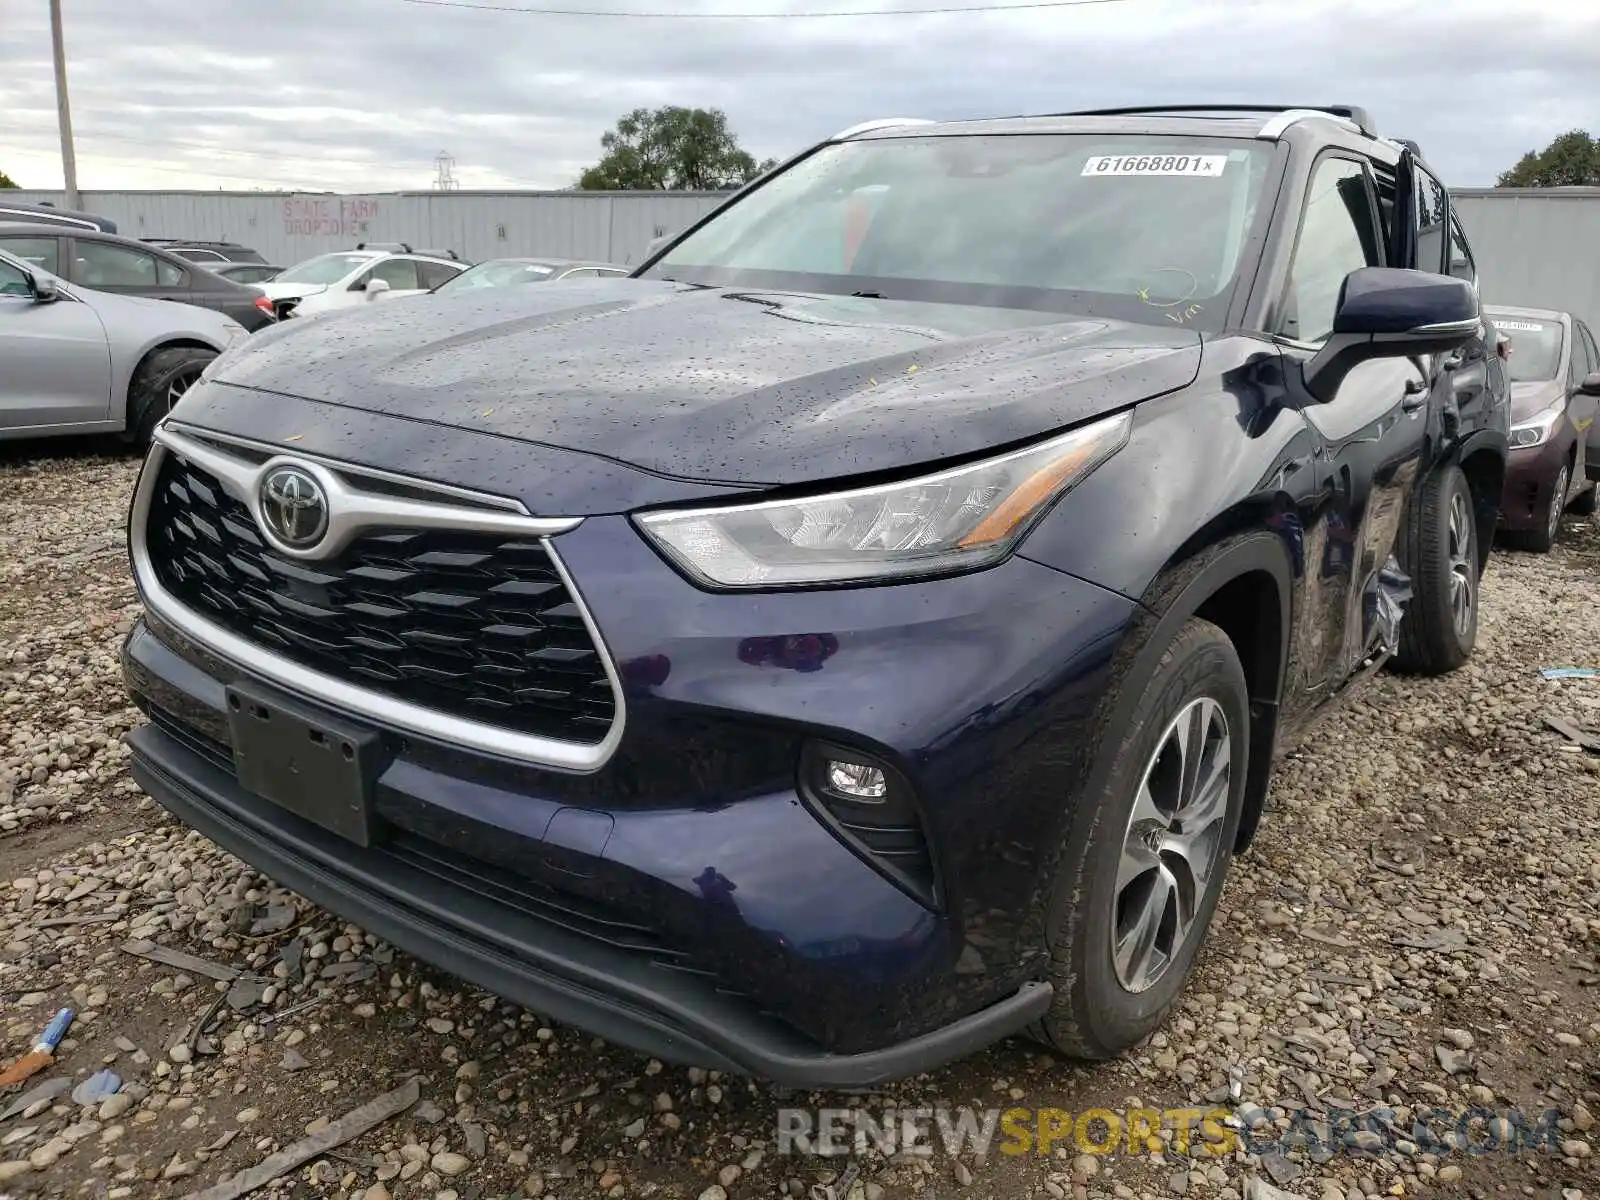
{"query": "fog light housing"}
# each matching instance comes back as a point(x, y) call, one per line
point(870, 806)
point(857, 781)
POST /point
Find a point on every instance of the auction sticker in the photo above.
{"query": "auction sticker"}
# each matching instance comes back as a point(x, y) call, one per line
point(1525, 326)
point(1156, 164)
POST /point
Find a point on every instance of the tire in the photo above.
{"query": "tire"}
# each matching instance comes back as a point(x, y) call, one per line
point(1100, 1010)
point(1540, 539)
point(1438, 548)
point(1586, 504)
point(158, 381)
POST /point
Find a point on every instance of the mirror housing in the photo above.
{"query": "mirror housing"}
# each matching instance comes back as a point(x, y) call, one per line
point(43, 289)
point(655, 245)
point(1390, 312)
point(1590, 384)
point(376, 287)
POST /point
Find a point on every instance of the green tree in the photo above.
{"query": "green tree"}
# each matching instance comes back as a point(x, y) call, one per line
point(671, 149)
point(1572, 160)
point(7, 182)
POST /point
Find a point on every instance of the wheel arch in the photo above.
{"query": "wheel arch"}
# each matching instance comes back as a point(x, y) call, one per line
point(1482, 459)
point(1244, 585)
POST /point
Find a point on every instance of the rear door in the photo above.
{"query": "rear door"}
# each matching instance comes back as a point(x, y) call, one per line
point(1373, 434)
point(57, 364)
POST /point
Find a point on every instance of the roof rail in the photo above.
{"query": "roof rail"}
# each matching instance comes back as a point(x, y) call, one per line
point(1287, 114)
point(880, 123)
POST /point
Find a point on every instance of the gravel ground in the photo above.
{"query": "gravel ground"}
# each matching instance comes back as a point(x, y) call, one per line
point(1417, 925)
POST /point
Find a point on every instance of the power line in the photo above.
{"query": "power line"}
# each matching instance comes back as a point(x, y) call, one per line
point(478, 6)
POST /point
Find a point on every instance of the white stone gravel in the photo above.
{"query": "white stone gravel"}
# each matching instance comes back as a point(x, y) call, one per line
point(1417, 926)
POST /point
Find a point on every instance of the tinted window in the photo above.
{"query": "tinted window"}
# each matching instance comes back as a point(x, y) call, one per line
point(1431, 205)
point(1461, 264)
point(1336, 237)
point(101, 264)
point(41, 252)
point(12, 281)
point(433, 274)
point(1535, 347)
point(1150, 228)
point(397, 272)
point(168, 275)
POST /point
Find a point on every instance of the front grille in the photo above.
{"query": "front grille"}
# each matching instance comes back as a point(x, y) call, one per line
point(472, 625)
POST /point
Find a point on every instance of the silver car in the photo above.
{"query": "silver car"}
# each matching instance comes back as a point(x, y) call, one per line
point(74, 360)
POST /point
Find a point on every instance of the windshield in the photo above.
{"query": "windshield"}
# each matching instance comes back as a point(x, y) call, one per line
point(503, 272)
point(1535, 347)
point(325, 268)
point(1146, 228)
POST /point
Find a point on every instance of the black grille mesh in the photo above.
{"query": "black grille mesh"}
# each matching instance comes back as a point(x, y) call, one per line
point(473, 625)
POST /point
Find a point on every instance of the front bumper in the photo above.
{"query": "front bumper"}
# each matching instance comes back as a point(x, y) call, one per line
point(534, 962)
point(682, 896)
point(1530, 478)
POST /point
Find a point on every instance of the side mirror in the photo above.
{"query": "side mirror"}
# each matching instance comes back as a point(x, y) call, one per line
point(1591, 384)
point(43, 289)
point(1387, 312)
point(375, 287)
point(655, 244)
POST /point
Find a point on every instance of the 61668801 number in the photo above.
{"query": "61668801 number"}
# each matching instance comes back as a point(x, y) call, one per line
point(1156, 164)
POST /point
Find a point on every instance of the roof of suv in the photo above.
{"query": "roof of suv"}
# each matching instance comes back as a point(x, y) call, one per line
point(1265, 122)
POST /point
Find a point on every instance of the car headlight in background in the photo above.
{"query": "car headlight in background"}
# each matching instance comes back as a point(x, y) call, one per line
point(1537, 429)
point(954, 520)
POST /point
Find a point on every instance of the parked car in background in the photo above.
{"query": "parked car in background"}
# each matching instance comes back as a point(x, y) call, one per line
point(251, 273)
point(511, 272)
point(347, 277)
point(14, 212)
point(77, 360)
point(1555, 389)
point(865, 632)
point(128, 267)
point(207, 253)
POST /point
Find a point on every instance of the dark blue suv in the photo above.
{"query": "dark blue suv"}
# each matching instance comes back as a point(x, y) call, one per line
point(866, 631)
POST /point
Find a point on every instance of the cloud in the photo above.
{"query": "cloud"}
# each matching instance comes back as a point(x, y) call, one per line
point(361, 95)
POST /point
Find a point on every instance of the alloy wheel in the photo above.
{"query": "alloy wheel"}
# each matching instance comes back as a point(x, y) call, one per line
point(1173, 844)
point(1462, 569)
point(180, 384)
point(1558, 497)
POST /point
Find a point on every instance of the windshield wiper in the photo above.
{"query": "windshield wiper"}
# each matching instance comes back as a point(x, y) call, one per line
point(868, 295)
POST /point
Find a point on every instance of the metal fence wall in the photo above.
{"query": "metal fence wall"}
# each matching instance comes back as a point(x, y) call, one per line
point(1535, 246)
point(288, 227)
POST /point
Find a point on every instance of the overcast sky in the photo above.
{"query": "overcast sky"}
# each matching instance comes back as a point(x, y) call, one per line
point(361, 95)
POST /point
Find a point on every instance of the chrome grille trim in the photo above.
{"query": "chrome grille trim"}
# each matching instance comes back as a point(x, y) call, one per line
point(361, 702)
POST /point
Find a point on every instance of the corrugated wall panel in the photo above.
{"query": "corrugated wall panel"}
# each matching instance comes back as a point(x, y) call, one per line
point(1539, 248)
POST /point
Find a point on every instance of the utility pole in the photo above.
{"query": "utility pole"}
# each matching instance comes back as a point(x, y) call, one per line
point(69, 159)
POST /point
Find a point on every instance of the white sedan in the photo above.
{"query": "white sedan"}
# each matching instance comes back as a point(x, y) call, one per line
point(350, 277)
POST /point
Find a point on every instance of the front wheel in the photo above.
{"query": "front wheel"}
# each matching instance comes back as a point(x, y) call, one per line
point(1145, 861)
point(1439, 550)
point(159, 382)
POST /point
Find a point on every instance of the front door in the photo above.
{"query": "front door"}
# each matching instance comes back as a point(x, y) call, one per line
point(1372, 436)
point(55, 365)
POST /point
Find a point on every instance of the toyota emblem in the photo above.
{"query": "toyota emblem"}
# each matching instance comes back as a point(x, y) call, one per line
point(294, 507)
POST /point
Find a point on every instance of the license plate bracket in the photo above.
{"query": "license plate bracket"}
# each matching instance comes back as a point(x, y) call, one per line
point(320, 768)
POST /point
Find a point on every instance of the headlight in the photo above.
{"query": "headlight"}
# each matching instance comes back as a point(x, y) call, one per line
point(955, 520)
point(1537, 429)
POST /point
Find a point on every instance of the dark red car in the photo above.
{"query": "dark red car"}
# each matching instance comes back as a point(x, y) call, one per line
point(1555, 379)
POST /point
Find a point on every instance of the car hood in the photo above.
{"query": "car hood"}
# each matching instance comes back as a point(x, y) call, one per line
point(1533, 396)
point(290, 291)
point(726, 386)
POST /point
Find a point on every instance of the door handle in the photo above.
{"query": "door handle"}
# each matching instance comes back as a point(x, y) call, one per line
point(1416, 395)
